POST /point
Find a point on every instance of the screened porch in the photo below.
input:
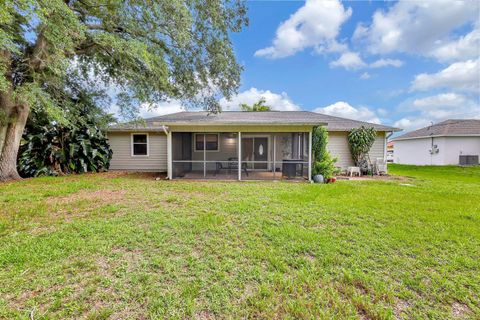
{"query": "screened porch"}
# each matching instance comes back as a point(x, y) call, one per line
point(240, 155)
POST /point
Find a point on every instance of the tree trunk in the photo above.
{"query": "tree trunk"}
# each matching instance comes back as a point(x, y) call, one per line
point(10, 136)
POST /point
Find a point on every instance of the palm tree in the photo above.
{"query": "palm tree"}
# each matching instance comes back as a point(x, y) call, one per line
point(257, 106)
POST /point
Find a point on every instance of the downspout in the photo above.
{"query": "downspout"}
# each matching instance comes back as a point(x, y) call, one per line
point(385, 149)
point(165, 129)
point(169, 152)
point(431, 151)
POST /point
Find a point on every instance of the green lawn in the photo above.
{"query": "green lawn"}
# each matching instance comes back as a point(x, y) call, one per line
point(103, 246)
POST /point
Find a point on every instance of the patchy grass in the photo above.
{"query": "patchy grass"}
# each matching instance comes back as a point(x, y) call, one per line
point(101, 246)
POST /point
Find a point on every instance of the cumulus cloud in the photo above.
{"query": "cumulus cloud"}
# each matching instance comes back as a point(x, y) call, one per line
point(421, 27)
point(315, 25)
point(465, 47)
point(447, 105)
point(158, 109)
point(349, 61)
point(463, 76)
point(345, 110)
point(365, 76)
point(437, 108)
point(386, 62)
point(353, 61)
point(409, 124)
point(277, 101)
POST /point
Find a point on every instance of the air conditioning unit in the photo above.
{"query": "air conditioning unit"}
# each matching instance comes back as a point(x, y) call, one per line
point(468, 160)
point(434, 149)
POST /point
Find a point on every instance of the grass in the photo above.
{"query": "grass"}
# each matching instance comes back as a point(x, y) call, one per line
point(101, 246)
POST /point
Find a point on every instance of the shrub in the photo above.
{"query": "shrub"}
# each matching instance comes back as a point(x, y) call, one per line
point(360, 141)
point(323, 163)
point(55, 149)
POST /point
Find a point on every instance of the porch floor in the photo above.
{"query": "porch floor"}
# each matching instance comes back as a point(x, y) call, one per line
point(252, 175)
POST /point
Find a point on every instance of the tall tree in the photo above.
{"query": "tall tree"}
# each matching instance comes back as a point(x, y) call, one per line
point(148, 51)
point(260, 105)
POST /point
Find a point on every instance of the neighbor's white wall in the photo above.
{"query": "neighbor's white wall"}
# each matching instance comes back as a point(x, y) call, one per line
point(417, 151)
point(339, 148)
point(456, 146)
point(122, 159)
point(414, 151)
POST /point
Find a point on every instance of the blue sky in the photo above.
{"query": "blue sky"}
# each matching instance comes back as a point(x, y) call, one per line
point(403, 63)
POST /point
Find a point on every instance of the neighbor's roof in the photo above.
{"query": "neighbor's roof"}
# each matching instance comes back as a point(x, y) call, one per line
point(453, 127)
point(254, 118)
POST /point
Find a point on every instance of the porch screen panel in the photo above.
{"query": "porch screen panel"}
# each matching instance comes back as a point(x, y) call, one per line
point(182, 164)
point(291, 155)
point(257, 156)
point(221, 155)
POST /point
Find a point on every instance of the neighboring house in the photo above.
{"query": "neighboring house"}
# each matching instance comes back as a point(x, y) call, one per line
point(450, 142)
point(390, 151)
point(271, 145)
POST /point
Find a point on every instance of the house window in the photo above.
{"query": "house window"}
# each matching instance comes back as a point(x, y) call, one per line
point(140, 144)
point(210, 139)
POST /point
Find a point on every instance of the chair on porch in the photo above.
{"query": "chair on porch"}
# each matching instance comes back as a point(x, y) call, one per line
point(380, 166)
point(232, 164)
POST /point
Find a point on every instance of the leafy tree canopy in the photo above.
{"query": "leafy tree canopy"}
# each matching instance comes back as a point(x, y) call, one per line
point(260, 105)
point(147, 51)
point(150, 51)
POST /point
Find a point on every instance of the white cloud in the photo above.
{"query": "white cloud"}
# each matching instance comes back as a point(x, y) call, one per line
point(409, 124)
point(365, 76)
point(465, 47)
point(315, 25)
point(446, 105)
point(440, 100)
point(382, 112)
point(353, 61)
point(349, 61)
point(277, 101)
point(460, 76)
point(345, 110)
point(386, 62)
point(159, 109)
point(437, 108)
point(420, 27)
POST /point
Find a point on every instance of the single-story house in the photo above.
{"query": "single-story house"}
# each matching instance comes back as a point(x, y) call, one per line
point(233, 144)
point(450, 142)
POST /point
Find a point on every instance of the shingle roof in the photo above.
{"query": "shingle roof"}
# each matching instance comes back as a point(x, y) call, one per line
point(452, 127)
point(252, 118)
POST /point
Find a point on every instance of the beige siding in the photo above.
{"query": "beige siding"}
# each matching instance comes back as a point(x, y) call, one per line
point(378, 148)
point(338, 147)
point(122, 158)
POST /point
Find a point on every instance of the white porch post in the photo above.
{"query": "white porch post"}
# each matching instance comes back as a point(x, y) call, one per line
point(239, 156)
point(274, 155)
point(169, 155)
point(204, 155)
point(310, 156)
